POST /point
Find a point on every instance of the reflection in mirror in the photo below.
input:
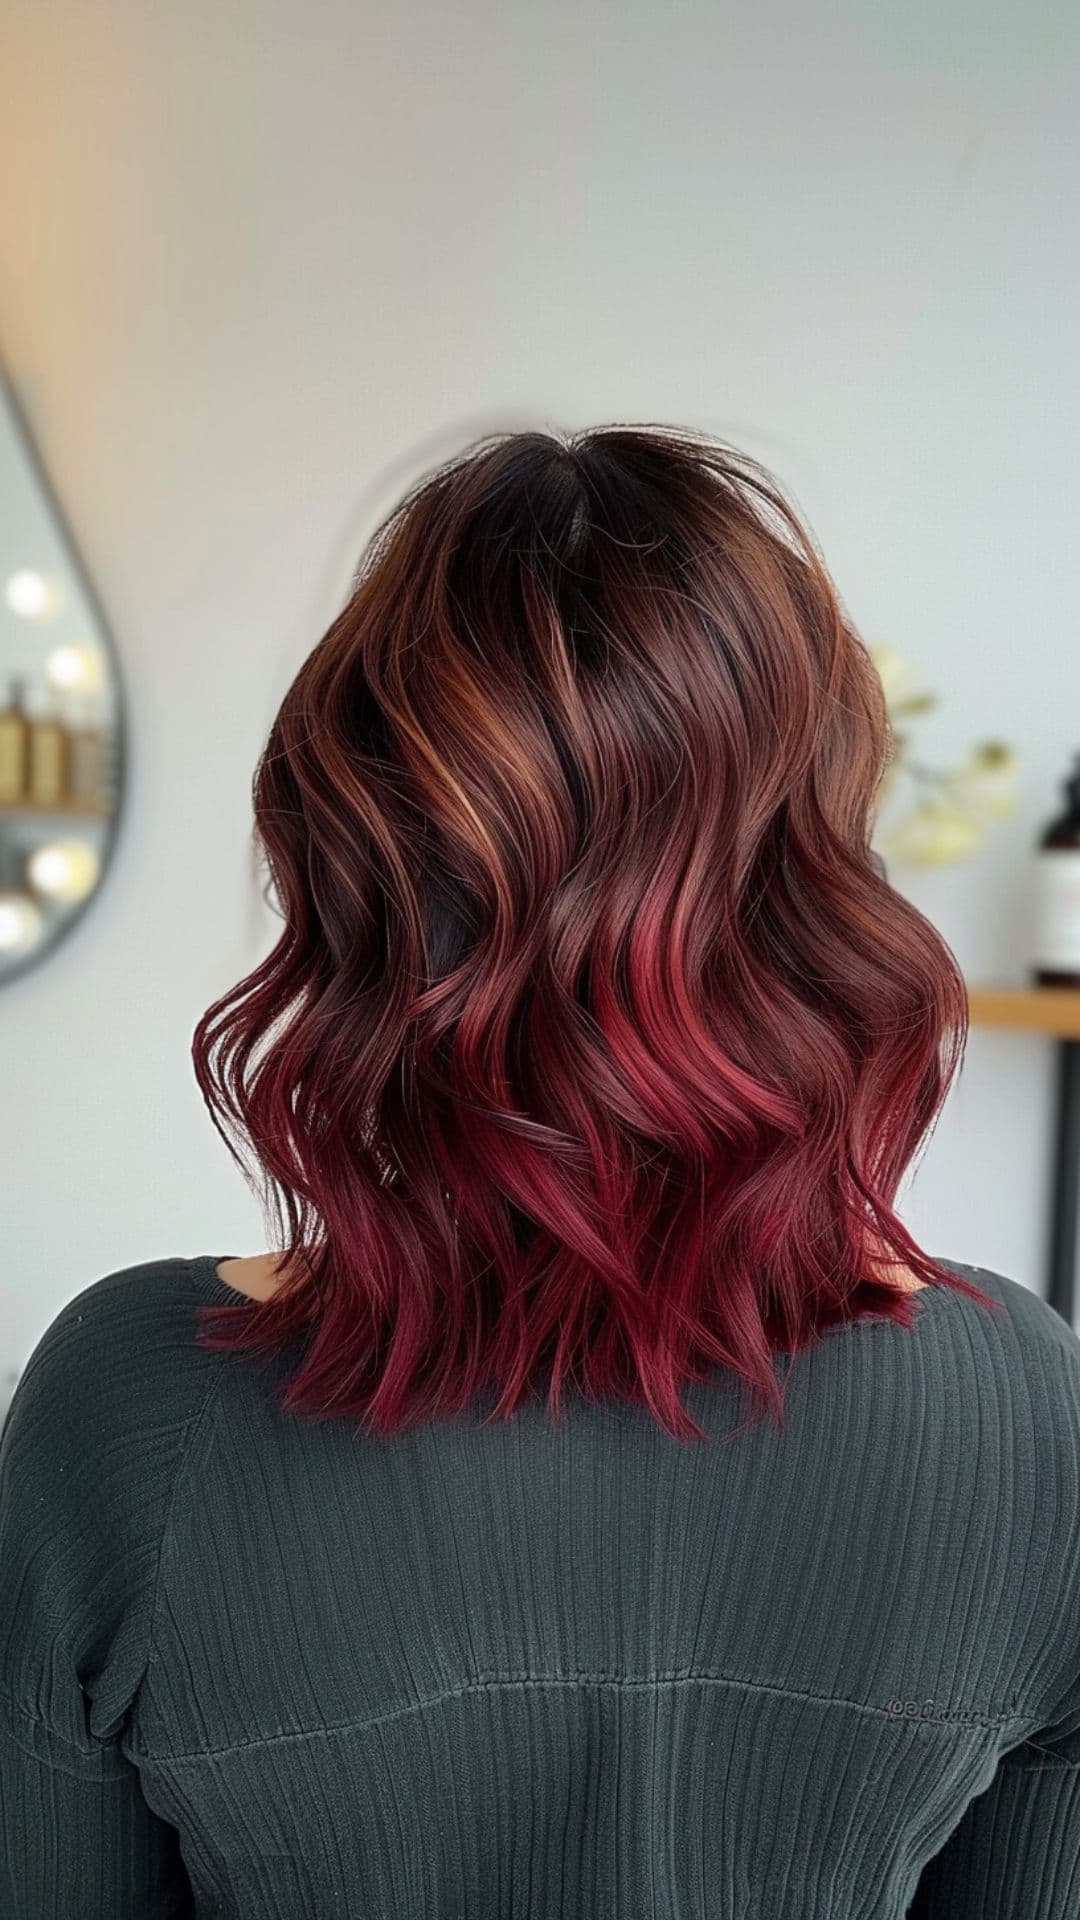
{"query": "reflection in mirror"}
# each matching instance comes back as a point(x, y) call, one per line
point(60, 715)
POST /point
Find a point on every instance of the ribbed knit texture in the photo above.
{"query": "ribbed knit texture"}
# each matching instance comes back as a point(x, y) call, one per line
point(253, 1666)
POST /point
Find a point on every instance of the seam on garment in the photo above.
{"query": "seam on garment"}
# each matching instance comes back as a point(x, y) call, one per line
point(1049, 1762)
point(100, 1768)
point(39, 1720)
point(492, 1683)
point(187, 1429)
point(1047, 1766)
point(102, 1763)
point(187, 1447)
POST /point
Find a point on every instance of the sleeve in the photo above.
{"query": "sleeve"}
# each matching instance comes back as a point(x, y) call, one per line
point(77, 1844)
point(1015, 1854)
point(89, 1452)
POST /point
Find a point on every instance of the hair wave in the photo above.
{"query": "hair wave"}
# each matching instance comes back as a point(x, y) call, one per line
point(596, 1042)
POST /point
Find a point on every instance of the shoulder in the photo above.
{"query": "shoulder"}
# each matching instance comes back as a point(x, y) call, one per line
point(1028, 1359)
point(91, 1447)
point(1039, 1359)
point(124, 1348)
point(1010, 1375)
point(1034, 1331)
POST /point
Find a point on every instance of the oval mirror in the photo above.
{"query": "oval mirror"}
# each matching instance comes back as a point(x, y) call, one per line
point(61, 714)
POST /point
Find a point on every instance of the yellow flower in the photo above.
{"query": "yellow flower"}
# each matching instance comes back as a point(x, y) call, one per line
point(986, 783)
point(934, 834)
point(897, 676)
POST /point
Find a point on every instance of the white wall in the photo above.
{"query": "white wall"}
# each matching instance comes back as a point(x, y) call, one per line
point(262, 257)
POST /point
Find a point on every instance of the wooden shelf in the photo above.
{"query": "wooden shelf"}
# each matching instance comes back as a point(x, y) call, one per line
point(68, 811)
point(1051, 1010)
point(1054, 1012)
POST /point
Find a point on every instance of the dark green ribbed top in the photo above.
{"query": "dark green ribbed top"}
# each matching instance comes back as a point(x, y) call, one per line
point(257, 1666)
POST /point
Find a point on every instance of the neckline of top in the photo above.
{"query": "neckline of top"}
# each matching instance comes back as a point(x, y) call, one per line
point(204, 1268)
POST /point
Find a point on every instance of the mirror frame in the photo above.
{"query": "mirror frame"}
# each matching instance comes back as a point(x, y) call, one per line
point(39, 956)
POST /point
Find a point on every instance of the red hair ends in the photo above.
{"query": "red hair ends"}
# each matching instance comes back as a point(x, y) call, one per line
point(595, 1044)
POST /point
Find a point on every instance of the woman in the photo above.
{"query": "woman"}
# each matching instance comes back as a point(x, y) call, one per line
point(424, 1567)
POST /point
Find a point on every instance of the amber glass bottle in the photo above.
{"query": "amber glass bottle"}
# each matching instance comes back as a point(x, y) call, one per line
point(49, 752)
point(14, 748)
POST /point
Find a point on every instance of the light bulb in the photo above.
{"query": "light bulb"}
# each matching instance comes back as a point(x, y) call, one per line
point(31, 594)
point(63, 869)
point(21, 922)
point(77, 668)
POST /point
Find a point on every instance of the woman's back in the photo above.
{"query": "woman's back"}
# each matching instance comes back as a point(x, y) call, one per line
point(532, 1669)
point(583, 1075)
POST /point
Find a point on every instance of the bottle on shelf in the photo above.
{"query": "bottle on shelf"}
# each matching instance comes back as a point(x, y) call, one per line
point(1056, 944)
point(14, 747)
point(48, 759)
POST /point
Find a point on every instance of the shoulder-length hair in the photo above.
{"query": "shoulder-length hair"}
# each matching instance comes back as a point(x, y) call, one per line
point(596, 1042)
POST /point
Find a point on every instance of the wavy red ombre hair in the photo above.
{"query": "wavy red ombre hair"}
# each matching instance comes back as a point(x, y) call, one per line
point(596, 1043)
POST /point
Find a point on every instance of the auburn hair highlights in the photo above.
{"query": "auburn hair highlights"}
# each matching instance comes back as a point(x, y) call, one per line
point(596, 1042)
